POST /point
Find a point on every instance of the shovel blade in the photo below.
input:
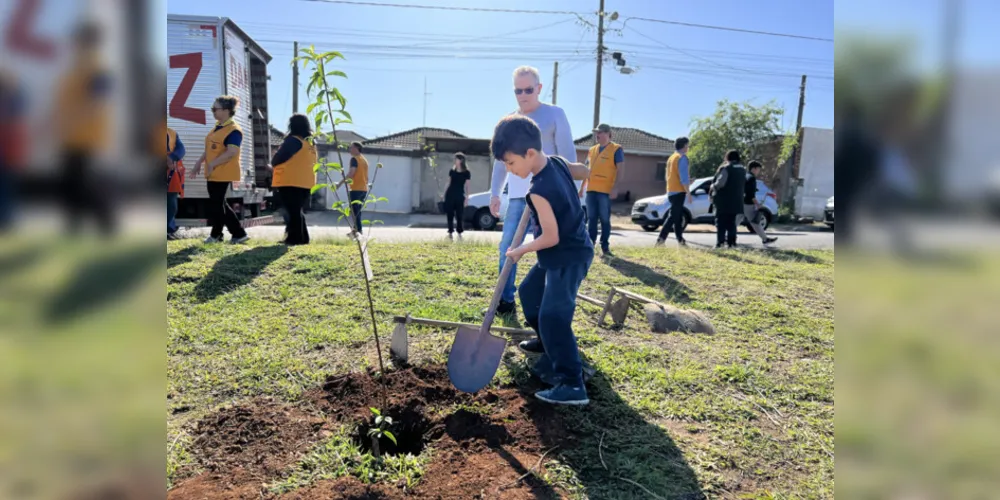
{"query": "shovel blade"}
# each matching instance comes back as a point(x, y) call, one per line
point(474, 359)
point(399, 348)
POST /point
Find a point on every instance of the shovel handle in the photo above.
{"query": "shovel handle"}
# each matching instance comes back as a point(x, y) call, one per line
point(508, 264)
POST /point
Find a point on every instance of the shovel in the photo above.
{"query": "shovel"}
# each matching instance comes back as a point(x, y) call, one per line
point(475, 355)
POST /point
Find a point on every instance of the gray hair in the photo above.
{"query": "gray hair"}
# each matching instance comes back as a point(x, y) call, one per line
point(528, 70)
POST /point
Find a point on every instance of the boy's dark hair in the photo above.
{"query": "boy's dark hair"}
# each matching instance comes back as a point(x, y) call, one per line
point(358, 146)
point(754, 164)
point(515, 134)
point(299, 125)
point(733, 156)
point(228, 103)
point(681, 142)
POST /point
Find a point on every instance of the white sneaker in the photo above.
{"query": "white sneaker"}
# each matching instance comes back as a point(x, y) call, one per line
point(240, 241)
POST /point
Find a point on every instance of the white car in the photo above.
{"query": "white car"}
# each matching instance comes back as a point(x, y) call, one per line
point(828, 213)
point(478, 213)
point(652, 212)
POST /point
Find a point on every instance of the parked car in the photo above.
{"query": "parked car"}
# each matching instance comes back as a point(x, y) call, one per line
point(477, 212)
point(828, 213)
point(652, 212)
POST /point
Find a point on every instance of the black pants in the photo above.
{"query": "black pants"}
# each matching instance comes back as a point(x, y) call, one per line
point(294, 200)
point(220, 213)
point(676, 220)
point(83, 195)
point(725, 228)
point(356, 208)
point(454, 209)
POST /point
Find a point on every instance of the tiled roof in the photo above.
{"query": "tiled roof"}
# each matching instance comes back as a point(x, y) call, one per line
point(345, 136)
point(277, 137)
point(410, 139)
point(632, 139)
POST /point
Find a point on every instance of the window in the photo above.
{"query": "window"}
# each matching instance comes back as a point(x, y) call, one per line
point(661, 171)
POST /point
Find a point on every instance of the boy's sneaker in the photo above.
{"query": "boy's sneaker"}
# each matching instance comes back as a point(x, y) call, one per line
point(770, 240)
point(563, 394)
point(659, 242)
point(532, 346)
point(241, 240)
point(212, 239)
point(172, 237)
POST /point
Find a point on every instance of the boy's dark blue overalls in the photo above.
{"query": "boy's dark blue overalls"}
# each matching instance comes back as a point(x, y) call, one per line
point(548, 291)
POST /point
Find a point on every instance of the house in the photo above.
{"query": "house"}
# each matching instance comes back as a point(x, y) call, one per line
point(409, 180)
point(646, 157)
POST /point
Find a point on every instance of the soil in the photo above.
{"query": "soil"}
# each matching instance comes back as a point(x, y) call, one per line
point(484, 449)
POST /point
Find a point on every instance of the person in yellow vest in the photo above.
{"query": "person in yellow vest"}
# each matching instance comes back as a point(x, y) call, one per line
point(294, 176)
point(606, 160)
point(222, 167)
point(175, 179)
point(81, 126)
point(678, 190)
point(358, 177)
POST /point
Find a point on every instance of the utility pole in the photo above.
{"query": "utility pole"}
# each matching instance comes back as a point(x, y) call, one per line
point(555, 81)
point(425, 100)
point(786, 177)
point(600, 61)
point(295, 79)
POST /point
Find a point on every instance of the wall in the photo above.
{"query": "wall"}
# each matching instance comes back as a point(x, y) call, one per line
point(434, 181)
point(816, 172)
point(639, 178)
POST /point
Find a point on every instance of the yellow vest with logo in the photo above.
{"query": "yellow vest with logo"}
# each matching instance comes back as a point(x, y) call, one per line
point(298, 170)
point(91, 121)
point(230, 170)
point(674, 184)
point(360, 180)
point(602, 168)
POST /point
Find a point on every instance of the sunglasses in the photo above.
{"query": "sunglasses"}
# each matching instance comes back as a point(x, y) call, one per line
point(529, 91)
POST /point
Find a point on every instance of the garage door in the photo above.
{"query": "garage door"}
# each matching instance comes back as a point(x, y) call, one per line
point(394, 182)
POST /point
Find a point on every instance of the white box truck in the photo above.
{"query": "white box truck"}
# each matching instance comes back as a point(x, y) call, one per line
point(210, 57)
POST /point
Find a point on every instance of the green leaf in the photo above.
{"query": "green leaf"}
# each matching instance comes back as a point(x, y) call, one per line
point(320, 118)
point(375, 411)
point(339, 121)
point(381, 199)
point(337, 73)
point(330, 56)
point(311, 107)
point(391, 437)
point(335, 166)
point(345, 113)
point(318, 187)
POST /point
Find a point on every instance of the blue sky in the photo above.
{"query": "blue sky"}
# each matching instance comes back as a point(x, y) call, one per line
point(467, 59)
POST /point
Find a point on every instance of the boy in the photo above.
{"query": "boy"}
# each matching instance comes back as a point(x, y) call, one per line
point(751, 207)
point(565, 252)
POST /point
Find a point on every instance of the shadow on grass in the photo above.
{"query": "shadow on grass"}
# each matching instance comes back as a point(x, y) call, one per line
point(779, 255)
point(236, 270)
point(183, 256)
point(633, 451)
point(674, 290)
point(103, 281)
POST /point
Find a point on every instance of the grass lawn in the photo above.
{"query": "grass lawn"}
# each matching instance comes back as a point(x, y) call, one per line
point(748, 411)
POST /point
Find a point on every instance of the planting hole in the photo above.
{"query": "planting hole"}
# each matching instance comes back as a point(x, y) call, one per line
point(408, 426)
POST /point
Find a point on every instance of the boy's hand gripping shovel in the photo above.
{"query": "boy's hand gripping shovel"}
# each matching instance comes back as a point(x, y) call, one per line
point(475, 355)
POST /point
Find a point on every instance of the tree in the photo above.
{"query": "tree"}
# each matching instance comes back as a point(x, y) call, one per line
point(741, 126)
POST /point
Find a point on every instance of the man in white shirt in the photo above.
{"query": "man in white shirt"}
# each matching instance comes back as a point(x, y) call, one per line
point(557, 139)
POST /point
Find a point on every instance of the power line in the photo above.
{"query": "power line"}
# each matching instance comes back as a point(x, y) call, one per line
point(709, 61)
point(442, 7)
point(723, 28)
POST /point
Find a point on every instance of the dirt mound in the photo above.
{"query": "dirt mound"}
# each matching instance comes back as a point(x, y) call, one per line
point(484, 445)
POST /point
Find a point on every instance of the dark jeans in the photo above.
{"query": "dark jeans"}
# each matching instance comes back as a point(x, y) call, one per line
point(454, 210)
point(356, 208)
point(8, 203)
point(220, 213)
point(548, 298)
point(294, 200)
point(725, 228)
point(172, 200)
point(676, 221)
point(83, 195)
point(599, 210)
